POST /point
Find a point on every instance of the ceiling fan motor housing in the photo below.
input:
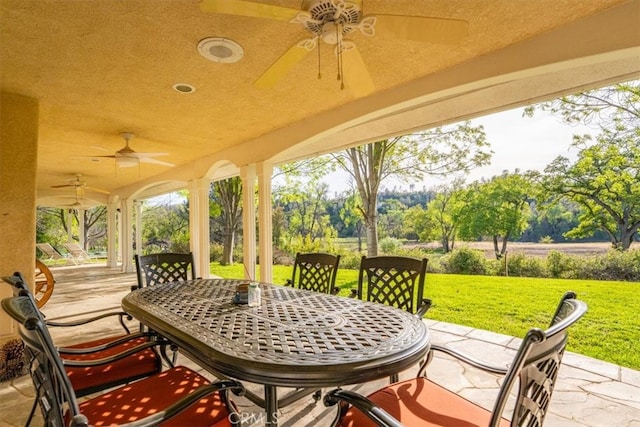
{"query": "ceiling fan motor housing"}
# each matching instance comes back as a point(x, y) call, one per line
point(331, 20)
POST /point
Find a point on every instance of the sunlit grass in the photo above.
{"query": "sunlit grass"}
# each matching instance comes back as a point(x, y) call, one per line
point(609, 331)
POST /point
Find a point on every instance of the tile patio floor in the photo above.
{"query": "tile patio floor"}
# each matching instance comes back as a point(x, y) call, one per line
point(589, 393)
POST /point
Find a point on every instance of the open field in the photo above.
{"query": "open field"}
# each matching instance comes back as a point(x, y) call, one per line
point(542, 249)
point(528, 248)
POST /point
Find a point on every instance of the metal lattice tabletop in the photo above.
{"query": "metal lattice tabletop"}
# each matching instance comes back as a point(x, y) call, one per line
point(293, 338)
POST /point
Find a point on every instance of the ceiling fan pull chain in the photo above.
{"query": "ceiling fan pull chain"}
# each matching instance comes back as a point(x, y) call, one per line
point(319, 73)
point(339, 48)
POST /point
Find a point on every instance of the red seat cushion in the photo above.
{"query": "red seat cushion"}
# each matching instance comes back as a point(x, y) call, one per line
point(422, 403)
point(141, 364)
point(153, 394)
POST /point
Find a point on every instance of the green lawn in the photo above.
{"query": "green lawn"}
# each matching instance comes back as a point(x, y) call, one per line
point(510, 305)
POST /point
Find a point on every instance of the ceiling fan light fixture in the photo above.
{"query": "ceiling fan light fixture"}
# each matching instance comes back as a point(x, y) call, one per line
point(220, 49)
point(126, 162)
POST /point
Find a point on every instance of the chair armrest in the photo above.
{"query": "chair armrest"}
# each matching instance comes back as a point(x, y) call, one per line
point(115, 357)
point(361, 403)
point(470, 360)
point(424, 307)
point(115, 342)
point(121, 316)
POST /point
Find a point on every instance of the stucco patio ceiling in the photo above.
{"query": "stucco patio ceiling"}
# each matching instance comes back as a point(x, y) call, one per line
point(103, 67)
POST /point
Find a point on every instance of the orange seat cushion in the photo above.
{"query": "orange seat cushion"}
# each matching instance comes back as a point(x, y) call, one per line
point(140, 364)
point(421, 403)
point(154, 394)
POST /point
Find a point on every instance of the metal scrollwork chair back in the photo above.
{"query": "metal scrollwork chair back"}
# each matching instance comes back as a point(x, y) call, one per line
point(176, 394)
point(315, 272)
point(164, 267)
point(100, 363)
point(393, 280)
point(419, 401)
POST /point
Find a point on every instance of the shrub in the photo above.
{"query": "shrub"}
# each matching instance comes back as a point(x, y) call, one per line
point(390, 245)
point(215, 252)
point(350, 260)
point(614, 265)
point(546, 239)
point(465, 261)
point(518, 264)
point(560, 265)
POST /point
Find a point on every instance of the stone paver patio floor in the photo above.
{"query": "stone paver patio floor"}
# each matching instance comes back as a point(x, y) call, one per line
point(590, 392)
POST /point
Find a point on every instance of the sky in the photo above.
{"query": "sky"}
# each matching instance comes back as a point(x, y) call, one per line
point(517, 142)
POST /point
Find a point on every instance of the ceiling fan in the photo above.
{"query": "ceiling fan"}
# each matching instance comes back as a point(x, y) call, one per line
point(126, 157)
point(330, 21)
point(80, 185)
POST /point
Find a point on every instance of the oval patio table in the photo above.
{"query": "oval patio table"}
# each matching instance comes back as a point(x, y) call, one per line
point(295, 338)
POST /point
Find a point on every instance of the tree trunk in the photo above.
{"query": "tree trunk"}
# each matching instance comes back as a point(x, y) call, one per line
point(496, 251)
point(445, 244)
point(504, 246)
point(626, 238)
point(227, 248)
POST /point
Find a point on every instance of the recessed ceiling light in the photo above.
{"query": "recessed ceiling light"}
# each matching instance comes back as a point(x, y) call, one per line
point(183, 88)
point(219, 49)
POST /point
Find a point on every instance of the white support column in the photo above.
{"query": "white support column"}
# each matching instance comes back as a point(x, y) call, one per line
point(69, 220)
point(248, 176)
point(81, 238)
point(265, 227)
point(127, 248)
point(112, 254)
point(199, 225)
point(138, 236)
point(120, 232)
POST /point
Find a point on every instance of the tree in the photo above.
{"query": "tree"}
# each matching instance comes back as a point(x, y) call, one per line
point(416, 222)
point(95, 226)
point(498, 208)
point(390, 218)
point(226, 203)
point(442, 212)
point(304, 204)
point(165, 227)
point(605, 182)
point(52, 225)
point(350, 214)
point(605, 179)
point(438, 151)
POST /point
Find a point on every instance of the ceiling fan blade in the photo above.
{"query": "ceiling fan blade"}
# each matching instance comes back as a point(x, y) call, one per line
point(63, 186)
point(278, 69)
point(249, 8)
point(155, 161)
point(94, 157)
point(355, 74)
point(97, 190)
point(146, 155)
point(422, 29)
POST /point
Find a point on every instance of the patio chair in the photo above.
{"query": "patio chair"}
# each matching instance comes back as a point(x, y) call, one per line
point(161, 268)
point(77, 254)
point(421, 402)
point(394, 280)
point(103, 363)
point(315, 272)
point(397, 281)
point(49, 253)
point(164, 267)
point(178, 396)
